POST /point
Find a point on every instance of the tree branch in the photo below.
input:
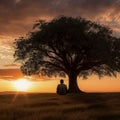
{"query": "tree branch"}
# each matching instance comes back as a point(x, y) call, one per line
point(58, 66)
point(88, 65)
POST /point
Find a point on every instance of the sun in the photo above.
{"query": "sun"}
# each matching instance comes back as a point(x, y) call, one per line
point(22, 85)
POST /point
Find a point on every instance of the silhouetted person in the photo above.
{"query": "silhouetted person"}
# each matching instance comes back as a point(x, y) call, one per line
point(61, 88)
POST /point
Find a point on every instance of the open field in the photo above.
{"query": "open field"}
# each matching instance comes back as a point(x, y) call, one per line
point(90, 106)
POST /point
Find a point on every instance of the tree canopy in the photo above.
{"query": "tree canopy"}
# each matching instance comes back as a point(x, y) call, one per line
point(69, 46)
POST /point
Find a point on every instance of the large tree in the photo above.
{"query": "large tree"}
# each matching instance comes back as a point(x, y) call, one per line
point(69, 46)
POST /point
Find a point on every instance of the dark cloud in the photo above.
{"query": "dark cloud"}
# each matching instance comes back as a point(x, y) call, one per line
point(17, 17)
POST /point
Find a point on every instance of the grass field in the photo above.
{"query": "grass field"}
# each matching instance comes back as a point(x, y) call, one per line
point(89, 106)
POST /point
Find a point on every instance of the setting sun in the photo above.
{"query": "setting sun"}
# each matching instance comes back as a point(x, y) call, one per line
point(21, 85)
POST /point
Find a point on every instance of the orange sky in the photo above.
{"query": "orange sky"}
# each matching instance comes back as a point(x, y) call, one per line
point(17, 18)
point(92, 84)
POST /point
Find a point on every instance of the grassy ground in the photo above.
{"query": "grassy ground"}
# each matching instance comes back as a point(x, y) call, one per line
point(91, 106)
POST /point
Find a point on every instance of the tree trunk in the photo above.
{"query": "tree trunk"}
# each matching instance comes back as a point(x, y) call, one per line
point(73, 86)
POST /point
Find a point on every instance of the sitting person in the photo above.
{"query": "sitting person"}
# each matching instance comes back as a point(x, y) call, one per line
point(61, 88)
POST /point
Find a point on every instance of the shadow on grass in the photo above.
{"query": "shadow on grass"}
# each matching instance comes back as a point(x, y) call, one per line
point(74, 109)
point(92, 97)
point(46, 104)
point(109, 117)
point(98, 106)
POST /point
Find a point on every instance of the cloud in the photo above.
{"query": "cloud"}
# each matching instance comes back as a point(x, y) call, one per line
point(11, 65)
point(17, 1)
point(10, 74)
point(18, 16)
point(15, 74)
point(6, 53)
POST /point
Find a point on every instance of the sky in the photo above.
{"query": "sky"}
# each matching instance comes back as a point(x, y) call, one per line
point(17, 18)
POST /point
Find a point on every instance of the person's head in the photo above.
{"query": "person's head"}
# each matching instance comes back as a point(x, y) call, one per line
point(61, 81)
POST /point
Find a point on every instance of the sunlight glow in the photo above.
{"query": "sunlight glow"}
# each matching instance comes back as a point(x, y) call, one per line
point(21, 85)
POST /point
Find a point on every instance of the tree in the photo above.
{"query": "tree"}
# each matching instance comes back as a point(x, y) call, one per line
point(69, 46)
